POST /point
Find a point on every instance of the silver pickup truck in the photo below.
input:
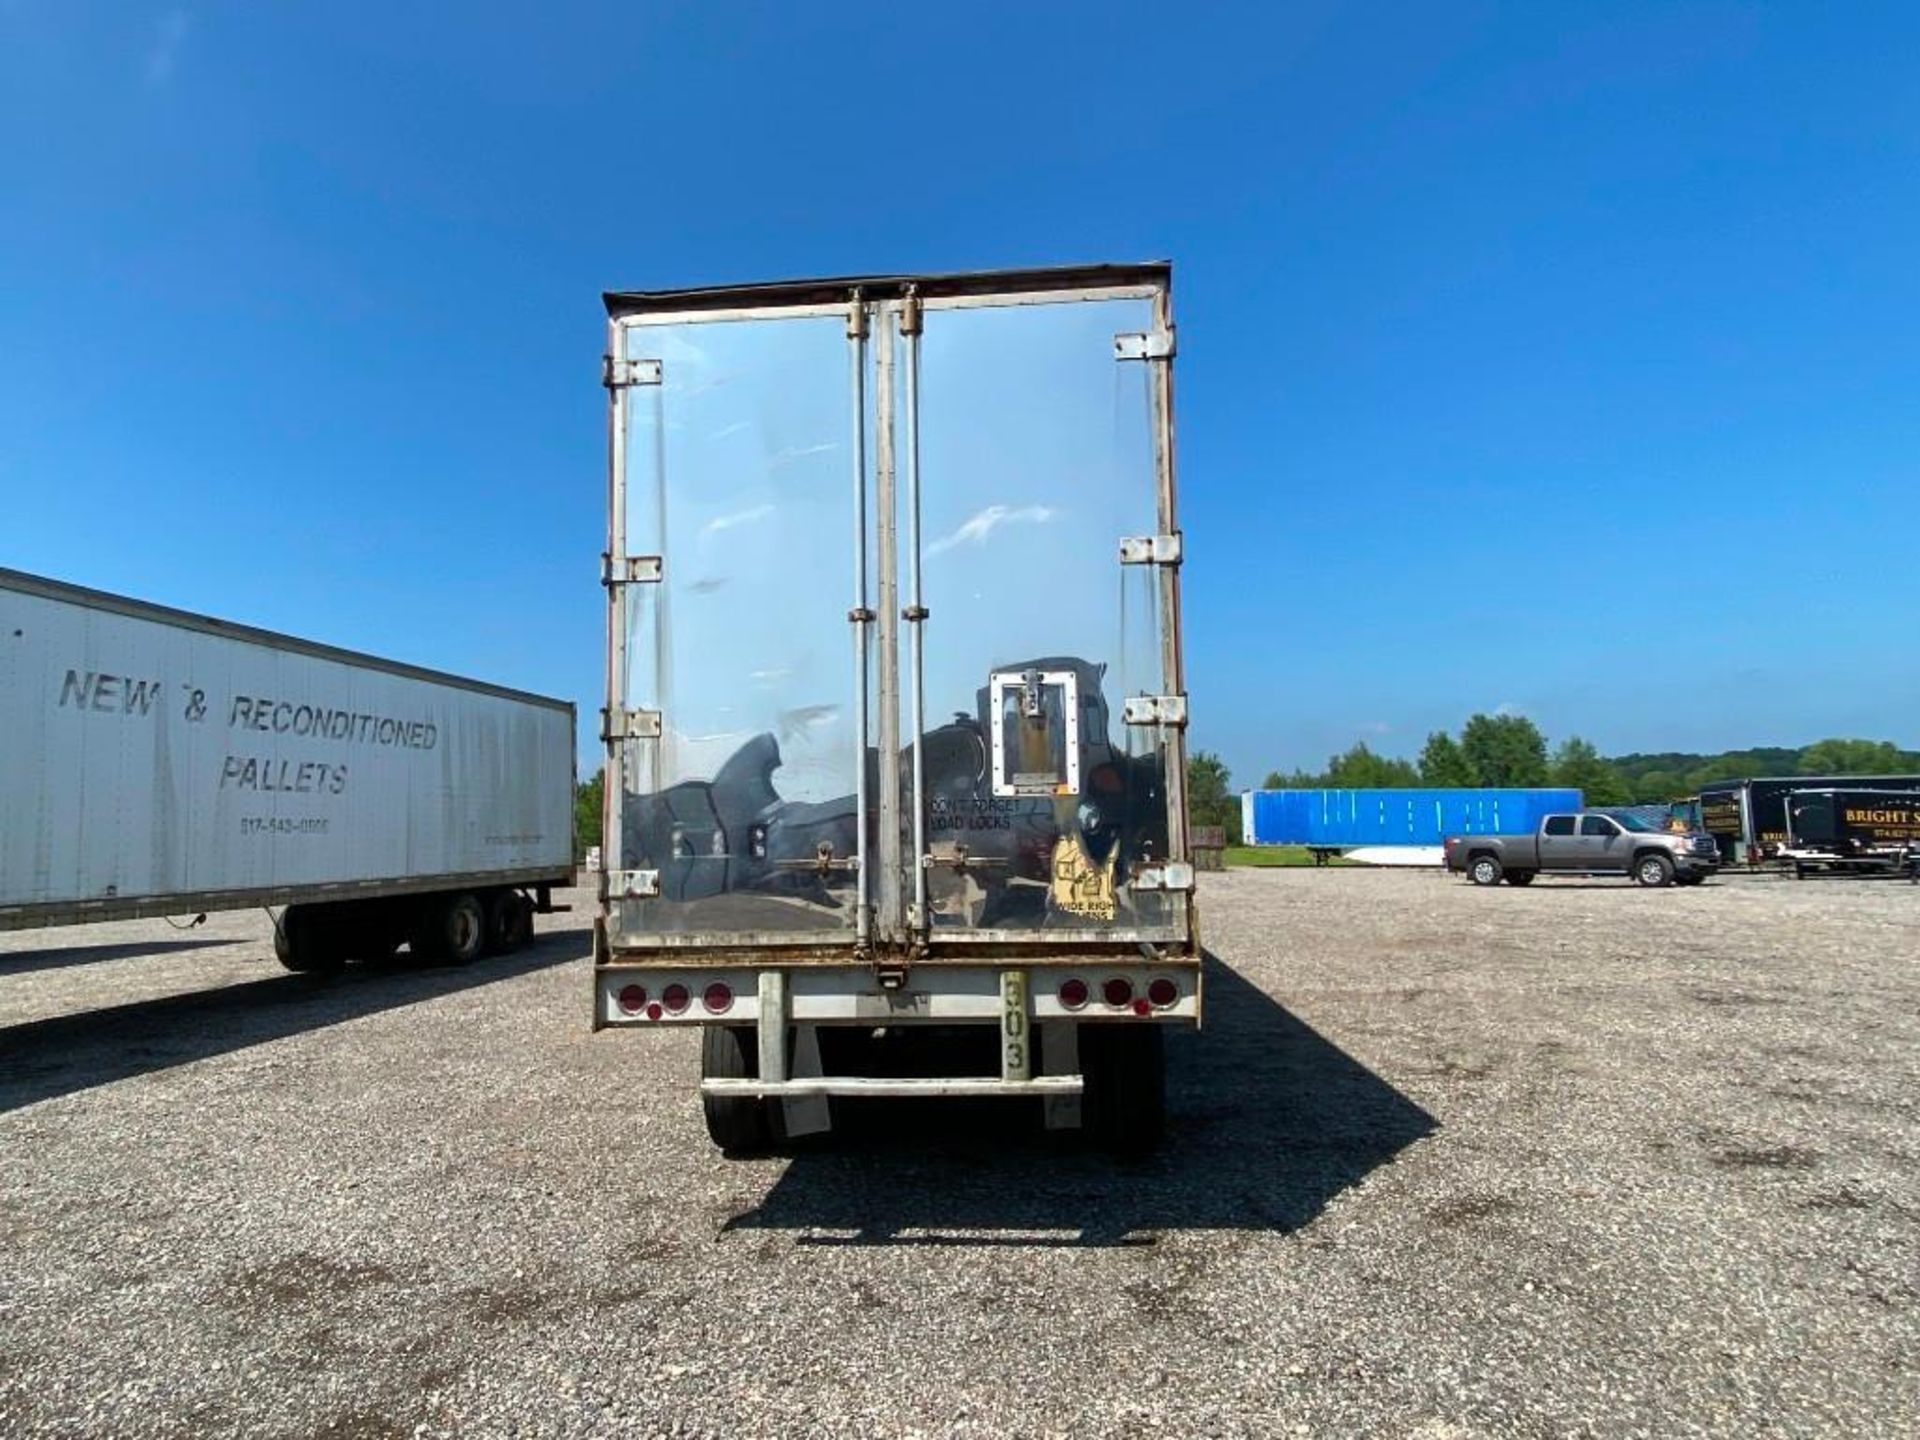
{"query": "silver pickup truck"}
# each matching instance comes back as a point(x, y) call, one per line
point(1589, 843)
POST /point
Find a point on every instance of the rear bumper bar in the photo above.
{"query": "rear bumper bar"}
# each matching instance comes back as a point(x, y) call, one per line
point(895, 1088)
point(635, 994)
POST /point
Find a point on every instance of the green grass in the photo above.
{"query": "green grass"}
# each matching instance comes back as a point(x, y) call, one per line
point(1265, 857)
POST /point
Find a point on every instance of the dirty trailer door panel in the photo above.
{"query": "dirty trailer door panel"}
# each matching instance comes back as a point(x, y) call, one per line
point(895, 712)
point(891, 571)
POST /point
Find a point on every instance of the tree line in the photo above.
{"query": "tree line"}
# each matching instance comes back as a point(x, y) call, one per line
point(1509, 751)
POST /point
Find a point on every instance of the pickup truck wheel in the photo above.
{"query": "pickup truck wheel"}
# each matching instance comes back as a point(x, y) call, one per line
point(1124, 1105)
point(1653, 871)
point(1520, 877)
point(1484, 870)
point(738, 1124)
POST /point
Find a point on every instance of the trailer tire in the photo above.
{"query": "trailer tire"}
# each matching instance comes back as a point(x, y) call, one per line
point(1484, 869)
point(308, 942)
point(1124, 1104)
point(1652, 870)
point(452, 929)
point(509, 921)
point(1520, 877)
point(374, 935)
point(738, 1124)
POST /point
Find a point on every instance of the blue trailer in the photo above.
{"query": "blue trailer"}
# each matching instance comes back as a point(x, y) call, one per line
point(1405, 822)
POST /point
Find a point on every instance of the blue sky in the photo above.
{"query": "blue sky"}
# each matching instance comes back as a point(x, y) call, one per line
point(1550, 356)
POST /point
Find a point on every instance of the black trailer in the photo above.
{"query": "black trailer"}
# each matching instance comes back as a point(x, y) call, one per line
point(1749, 817)
point(1852, 829)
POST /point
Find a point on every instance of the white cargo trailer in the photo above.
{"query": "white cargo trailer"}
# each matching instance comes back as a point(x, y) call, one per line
point(895, 712)
point(154, 762)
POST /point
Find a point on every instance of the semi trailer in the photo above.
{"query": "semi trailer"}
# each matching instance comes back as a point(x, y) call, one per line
point(895, 715)
point(158, 762)
point(1748, 818)
point(1844, 829)
point(1397, 822)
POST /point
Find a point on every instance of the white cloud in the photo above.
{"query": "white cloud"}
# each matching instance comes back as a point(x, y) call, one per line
point(1378, 727)
point(738, 517)
point(979, 526)
point(163, 54)
point(796, 452)
point(1508, 707)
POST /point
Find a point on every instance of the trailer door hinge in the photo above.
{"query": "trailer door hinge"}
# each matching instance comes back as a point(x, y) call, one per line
point(1155, 710)
point(618, 724)
point(633, 884)
point(1168, 875)
point(1152, 345)
point(616, 373)
point(630, 570)
point(1151, 549)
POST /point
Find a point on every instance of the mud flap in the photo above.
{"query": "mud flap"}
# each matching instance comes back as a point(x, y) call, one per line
point(807, 1114)
point(1060, 1055)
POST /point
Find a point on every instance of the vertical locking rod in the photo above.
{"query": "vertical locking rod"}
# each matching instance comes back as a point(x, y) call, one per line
point(916, 611)
point(861, 617)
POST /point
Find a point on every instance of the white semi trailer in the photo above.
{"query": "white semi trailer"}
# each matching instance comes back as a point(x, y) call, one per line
point(154, 762)
point(894, 715)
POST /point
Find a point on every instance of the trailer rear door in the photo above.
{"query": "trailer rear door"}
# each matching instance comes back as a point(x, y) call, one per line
point(893, 616)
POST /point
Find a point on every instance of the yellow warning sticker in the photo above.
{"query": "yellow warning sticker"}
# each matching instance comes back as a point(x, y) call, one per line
point(1079, 886)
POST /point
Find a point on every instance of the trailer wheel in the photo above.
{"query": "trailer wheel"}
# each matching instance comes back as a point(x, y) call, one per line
point(375, 938)
point(509, 921)
point(308, 942)
point(1520, 877)
point(738, 1124)
point(1124, 1105)
point(1484, 870)
point(1653, 871)
point(452, 929)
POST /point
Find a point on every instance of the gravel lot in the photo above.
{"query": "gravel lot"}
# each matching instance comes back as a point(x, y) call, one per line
point(1446, 1162)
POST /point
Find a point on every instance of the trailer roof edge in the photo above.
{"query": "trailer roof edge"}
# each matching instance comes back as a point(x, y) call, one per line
point(835, 289)
point(40, 585)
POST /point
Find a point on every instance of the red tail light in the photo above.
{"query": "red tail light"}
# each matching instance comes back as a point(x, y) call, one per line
point(1163, 992)
point(632, 998)
point(718, 997)
point(1117, 992)
point(1073, 993)
point(676, 997)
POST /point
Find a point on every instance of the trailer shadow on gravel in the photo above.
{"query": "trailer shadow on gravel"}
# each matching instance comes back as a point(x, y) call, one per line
point(45, 1059)
point(59, 957)
point(1267, 1121)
